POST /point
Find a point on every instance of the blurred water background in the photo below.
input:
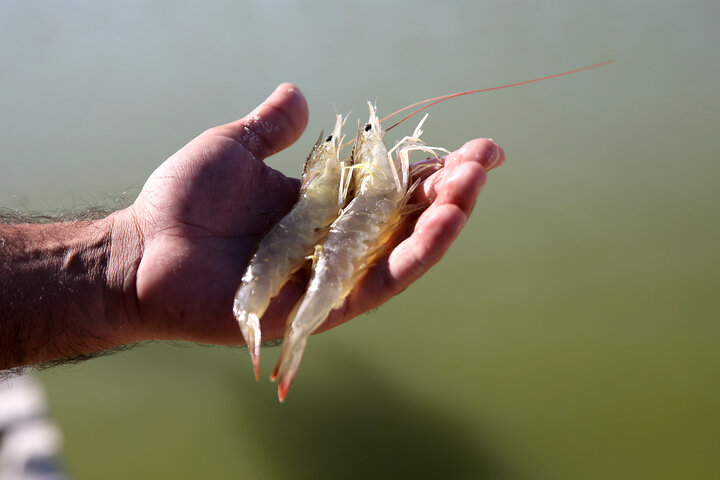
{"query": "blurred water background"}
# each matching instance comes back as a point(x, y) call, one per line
point(571, 332)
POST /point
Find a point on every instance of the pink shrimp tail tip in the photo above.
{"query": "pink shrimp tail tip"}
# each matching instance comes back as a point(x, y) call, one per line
point(284, 382)
point(283, 388)
point(256, 364)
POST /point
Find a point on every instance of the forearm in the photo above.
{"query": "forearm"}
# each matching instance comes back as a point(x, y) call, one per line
point(59, 294)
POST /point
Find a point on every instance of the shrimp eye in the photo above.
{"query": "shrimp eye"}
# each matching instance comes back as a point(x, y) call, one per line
point(368, 127)
point(329, 137)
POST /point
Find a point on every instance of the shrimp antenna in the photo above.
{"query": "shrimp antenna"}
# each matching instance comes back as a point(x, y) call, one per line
point(442, 98)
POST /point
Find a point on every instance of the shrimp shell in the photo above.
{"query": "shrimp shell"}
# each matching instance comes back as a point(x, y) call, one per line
point(285, 247)
point(358, 237)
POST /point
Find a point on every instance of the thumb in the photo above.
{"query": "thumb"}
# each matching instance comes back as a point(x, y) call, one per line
point(274, 125)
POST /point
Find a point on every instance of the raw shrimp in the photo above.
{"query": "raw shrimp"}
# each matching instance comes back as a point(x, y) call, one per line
point(356, 239)
point(285, 247)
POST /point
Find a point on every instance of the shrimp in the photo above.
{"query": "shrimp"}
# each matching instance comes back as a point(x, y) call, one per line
point(356, 239)
point(285, 247)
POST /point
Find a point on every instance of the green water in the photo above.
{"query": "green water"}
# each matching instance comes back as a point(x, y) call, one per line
point(571, 332)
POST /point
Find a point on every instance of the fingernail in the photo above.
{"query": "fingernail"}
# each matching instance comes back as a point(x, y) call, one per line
point(493, 158)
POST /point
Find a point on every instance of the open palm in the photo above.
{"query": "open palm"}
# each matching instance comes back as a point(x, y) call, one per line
point(201, 213)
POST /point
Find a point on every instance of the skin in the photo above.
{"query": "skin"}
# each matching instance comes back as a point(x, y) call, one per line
point(168, 266)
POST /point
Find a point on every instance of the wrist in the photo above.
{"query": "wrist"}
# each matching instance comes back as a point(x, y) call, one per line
point(124, 252)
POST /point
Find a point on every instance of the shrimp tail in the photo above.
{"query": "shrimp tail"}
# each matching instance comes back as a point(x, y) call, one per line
point(289, 363)
point(250, 304)
point(288, 326)
point(312, 312)
point(250, 327)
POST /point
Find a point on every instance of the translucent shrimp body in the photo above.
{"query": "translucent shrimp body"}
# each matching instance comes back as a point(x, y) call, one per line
point(285, 248)
point(357, 238)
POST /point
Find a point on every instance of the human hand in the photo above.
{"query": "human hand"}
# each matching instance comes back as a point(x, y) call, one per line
point(184, 244)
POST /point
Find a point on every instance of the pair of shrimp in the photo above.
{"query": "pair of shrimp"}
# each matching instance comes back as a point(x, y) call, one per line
point(358, 237)
point(360, 230)
point(345, 241)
